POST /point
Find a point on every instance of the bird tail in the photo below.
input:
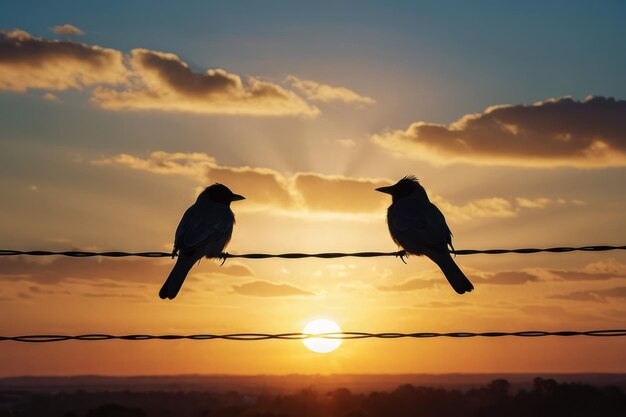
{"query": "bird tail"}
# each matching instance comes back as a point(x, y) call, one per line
point(176, 278)
point(453, 273)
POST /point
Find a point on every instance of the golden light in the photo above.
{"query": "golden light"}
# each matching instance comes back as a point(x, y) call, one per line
point(318, 344)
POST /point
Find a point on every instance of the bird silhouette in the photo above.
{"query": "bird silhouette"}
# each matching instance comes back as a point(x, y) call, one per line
point(204, 231)
point(420, 228)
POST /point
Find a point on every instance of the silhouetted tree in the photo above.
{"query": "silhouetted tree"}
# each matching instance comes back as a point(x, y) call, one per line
point(116, 410)
point(545, 398)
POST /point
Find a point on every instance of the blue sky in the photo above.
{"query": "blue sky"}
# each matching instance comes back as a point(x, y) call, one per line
point(473, 53)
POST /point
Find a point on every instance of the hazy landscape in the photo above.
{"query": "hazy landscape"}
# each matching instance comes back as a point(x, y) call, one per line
point(316, 395)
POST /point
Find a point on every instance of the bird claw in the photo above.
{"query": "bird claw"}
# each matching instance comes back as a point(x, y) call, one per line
point(223, 257)
point(402, 254)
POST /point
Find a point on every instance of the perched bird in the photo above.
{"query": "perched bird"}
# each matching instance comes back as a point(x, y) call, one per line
point(204, 231)
point(420, 228)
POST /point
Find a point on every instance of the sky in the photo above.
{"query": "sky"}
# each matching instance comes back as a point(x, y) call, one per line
point(115, 116)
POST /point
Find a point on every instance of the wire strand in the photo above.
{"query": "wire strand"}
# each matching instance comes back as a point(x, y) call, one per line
point(301, 336)
point(295, 255)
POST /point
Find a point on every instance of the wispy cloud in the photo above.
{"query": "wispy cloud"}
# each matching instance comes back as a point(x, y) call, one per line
point(598, 296)
point(411, 285)
point(598, 271)
point(268, 289)
point(507, 278)
point(67, 30)
point(51, 97)
point(27, 62)
point(555, 132)
point(325, 93)
point(93, 271)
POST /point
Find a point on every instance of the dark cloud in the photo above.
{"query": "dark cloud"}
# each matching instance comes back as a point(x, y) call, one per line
point(162, 81)
point(312, 192)
point(599, 296)
point(341, 194)
point(411, 285)
point(94, 271)
point(27, 62)
point(268, 289)
point(143, 80)
point(506, 278)
point(585, 275)
point(564, 131)
point(499, 278)
point(258, 185)
point(263, 186)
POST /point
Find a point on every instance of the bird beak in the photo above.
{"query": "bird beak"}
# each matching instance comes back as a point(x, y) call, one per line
point(386, 190)
point(237, 197)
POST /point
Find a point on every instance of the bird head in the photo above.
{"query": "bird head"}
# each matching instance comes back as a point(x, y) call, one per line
point(405, 187)
point(221, 194)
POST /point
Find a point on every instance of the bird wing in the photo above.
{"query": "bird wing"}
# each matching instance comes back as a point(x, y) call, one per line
point(202, 224)
point(439, 222)
point(413, 222)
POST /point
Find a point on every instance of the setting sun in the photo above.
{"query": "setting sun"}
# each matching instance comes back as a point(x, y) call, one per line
point(319, 344)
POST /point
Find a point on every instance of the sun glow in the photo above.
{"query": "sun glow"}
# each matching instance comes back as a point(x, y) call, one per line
point(318, 344)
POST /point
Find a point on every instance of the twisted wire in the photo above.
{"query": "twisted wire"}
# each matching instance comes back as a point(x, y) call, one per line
point(295, 255)
point(301, 336)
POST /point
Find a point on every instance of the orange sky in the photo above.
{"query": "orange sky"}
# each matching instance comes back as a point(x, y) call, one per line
point(106, 143)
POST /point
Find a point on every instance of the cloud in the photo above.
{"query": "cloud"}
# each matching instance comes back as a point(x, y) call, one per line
point(555, 132)
point(496, 207)
point(533, 203)
point(263, 186)
point(498, 278)
point(267, 289)
point(141, 80)
point(312, 192)
point(51, 97)
point(607, 266)
point(411, 285)
point(67, 29)
point(493, 207)
point(347, 143)
point(193, 165)
point(94, 271)
point(27, 62)
point(598, 296)
point(162, 81)
point(597, 271)
point(584, 275)
point(325, 93)
point(543, 202)
point(336, 193)
point(507, 278)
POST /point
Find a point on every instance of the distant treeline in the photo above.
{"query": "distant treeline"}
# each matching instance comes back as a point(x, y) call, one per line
point(546, 398)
